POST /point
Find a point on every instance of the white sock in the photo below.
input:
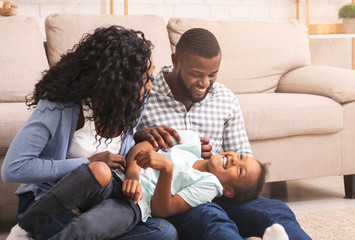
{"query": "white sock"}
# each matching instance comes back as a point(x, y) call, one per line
point(17, 233)
point(275, 232)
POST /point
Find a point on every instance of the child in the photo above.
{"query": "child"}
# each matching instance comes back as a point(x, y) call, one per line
point(193, 180)
point(169, 183)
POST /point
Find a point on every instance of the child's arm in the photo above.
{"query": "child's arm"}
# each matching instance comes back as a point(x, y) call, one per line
point(131, 187)
point(163, 204)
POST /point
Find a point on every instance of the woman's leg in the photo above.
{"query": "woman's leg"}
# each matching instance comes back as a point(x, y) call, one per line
point(107, 220)
point(57, 225)
point(77, 187)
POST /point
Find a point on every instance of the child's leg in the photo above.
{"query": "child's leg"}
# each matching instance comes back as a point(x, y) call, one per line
point(78, 186)
point(107, 220)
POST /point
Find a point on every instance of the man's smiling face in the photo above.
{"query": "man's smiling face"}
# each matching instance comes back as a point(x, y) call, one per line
point(196, 75)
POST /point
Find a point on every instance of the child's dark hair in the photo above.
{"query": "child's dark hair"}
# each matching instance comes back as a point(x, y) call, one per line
point(242, 195)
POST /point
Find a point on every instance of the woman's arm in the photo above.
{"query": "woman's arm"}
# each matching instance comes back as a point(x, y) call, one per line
point(38, 151)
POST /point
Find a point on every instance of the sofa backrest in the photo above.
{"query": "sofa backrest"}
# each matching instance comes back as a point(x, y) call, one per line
point(63, 31)
point(254, 53)
point(22, 57)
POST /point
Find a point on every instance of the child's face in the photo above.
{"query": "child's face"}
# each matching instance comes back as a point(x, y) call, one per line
point(234, 170)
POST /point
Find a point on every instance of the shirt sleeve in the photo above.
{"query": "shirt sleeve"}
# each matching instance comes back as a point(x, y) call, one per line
point(202, 191)
point(234, 135)
point(31, 156)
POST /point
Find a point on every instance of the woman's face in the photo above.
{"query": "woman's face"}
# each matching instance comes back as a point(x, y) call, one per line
point(147, 80)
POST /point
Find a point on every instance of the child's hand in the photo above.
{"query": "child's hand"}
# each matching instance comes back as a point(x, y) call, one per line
point(153, 160)
point(132, 188)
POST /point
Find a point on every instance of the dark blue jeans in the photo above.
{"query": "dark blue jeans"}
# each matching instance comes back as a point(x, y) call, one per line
point(212, 221)
point(255, 216)
point(154, 228)
point(207, 221)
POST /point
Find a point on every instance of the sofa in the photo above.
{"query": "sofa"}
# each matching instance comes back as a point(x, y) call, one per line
point(299, 117)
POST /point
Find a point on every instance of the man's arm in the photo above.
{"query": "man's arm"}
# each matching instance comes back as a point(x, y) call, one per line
point(162, 203)
point(234, 134)
point(158, 136)
point(163, 135)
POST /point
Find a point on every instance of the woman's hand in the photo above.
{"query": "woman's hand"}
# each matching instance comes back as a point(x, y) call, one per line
point(132, 188)
point(114, 161)
point(153, 160)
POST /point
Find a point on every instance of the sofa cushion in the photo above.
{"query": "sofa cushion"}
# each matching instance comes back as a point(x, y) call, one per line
point(275, 115)
point(336, 83)
point(63, 31)
point(254, 53)
point(13, 117)
point(22, 58)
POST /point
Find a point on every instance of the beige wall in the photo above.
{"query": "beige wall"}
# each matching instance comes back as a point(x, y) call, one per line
point(333, 52)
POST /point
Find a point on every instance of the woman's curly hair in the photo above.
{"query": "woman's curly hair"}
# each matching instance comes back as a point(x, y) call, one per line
point(106, 67)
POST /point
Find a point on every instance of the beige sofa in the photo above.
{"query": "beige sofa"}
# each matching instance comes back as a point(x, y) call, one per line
point(299, 117)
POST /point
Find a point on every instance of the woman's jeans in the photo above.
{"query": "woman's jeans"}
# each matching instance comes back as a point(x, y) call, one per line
point(107, 215)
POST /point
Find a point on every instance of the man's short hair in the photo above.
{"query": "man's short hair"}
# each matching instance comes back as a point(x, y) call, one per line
point(198, 41)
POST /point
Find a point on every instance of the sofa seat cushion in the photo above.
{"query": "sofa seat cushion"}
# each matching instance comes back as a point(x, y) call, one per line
point(22, 57)
point(14, 115)
point(63, 31)
point(275, 115)
point(255, 54)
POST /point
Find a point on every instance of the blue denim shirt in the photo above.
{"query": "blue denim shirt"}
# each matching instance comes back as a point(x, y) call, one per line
point(37, 157)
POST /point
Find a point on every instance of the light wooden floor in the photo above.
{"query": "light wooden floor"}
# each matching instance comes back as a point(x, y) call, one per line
point(302, 196)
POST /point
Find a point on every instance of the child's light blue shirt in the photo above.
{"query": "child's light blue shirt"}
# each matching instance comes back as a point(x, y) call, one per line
point(194, 186)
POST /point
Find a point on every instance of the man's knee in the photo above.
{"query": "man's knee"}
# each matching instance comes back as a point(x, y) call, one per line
point(154, 228)
point(210, 209)
point(101, 172)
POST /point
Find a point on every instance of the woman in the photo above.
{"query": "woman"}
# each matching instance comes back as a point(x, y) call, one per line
point(86, 110)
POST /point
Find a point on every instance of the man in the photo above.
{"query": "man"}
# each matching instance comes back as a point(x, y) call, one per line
point(186, 95)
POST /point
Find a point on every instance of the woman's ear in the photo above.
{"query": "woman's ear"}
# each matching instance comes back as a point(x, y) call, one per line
point(228, 192)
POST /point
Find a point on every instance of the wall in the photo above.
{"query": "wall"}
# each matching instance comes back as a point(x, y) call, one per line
point(334, 52)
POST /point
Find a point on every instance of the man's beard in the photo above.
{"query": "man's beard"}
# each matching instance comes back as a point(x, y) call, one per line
point(187, 91)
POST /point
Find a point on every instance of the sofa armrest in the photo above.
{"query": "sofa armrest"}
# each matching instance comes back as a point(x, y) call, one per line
point(332, 82)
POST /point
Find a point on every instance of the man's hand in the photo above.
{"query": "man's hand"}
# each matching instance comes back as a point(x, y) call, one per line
point(154, 160)
point(114, 161)
point(132, 188)
point(206, 148)
point(159, 136)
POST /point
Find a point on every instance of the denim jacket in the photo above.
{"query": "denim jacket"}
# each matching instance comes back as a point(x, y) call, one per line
point(37, 157)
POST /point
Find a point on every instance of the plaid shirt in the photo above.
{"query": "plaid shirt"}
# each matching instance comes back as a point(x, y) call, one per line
point(217, 117)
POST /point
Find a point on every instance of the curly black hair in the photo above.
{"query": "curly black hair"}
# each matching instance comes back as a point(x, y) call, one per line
point(105, 67)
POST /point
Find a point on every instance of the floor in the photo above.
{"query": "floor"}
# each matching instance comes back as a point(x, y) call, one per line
point(302, 196)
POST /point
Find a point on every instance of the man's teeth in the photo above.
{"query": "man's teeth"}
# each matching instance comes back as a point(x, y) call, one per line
point(200, 89)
